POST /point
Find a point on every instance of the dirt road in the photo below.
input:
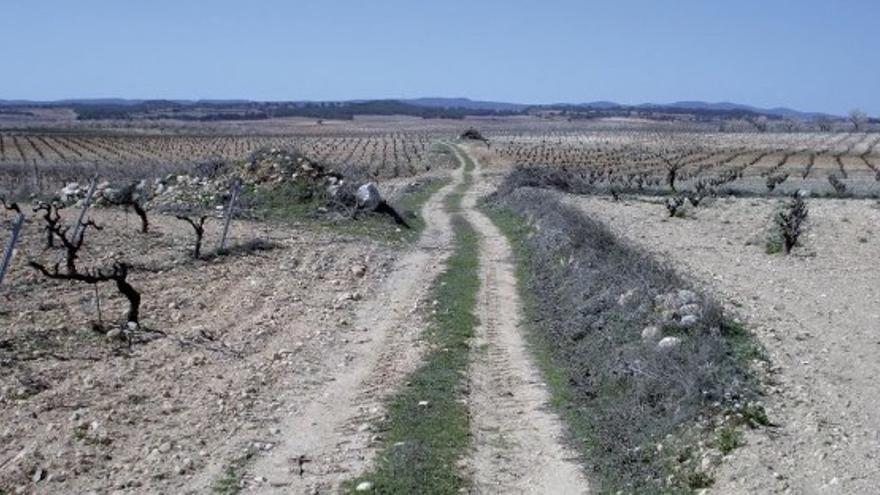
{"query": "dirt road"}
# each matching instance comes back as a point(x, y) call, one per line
point(517, 441)
point(328, 440)
point(517, 447)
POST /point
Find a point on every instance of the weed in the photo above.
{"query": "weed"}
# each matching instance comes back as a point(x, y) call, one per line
point(230, 482)
point(699, 479)
point(754, 415)
point(427, 426)
point(729, 438)
point(837, 184)
point(674, 206)
point(773, 244)
point(775, 180)
point(790, 222)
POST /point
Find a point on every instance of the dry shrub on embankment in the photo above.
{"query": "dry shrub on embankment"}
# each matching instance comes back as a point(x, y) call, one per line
point(651, 377)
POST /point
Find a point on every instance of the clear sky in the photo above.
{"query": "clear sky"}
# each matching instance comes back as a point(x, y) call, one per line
point(821, 55)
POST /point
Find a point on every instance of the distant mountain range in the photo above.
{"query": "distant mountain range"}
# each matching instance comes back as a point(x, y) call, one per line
point(453, 103)
point(610, 105)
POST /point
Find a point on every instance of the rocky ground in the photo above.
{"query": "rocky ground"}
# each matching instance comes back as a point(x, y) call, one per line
point(301, 330)
point(222, 341)
point(816, 312)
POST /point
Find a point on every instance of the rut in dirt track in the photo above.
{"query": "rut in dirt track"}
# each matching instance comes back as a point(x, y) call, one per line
point(327, 439)
point(517, 445)
point(517, 441)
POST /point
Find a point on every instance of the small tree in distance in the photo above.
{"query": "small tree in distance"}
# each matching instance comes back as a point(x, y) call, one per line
point(858, 119)
point(824, 123)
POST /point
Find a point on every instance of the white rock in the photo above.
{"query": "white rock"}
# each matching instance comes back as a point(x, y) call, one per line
point(364, 486)
point(368, 196)
point(689, 320)
point(669, 343)
point(70, 189)
point(686, 297)
point(650, 333)
point(690, 309)
point(626, 297)
point(196, 360)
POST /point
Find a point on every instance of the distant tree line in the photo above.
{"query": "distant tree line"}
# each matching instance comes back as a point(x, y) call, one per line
point(348, 110)
point(160, 109)
point(575, 112)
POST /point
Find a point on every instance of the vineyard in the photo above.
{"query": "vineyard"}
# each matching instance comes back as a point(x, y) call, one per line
point(471, 247)
point(738, 162)
point(255, 272)
point(626, 156)
point(45, 162)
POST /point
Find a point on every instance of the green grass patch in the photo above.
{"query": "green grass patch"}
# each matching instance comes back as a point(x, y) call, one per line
point(729, 438)
point(773, 244)
point(454, 199)
point(292, 203)
point(742, 343)
point(229, 483)
point(427, 427)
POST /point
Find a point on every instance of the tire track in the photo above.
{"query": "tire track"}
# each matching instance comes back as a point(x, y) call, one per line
point(517, 442)
point(329, 440)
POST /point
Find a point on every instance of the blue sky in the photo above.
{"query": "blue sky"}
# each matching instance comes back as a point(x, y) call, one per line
point(806, 54)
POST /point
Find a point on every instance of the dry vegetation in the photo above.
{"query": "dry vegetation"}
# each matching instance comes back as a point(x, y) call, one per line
point(814, 312)
point(754, 163)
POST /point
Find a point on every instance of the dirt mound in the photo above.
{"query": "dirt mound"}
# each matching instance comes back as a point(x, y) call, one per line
point(265, 172)
point(286, 173)
point(267, 166)
point(473, 135)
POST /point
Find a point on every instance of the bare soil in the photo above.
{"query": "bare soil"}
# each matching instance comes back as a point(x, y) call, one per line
point(245, 337)
point(816, 312)
point(261, 370)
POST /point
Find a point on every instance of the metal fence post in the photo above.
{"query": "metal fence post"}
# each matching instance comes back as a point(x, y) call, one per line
point(235, 190)
point(77, 229)
point(10, 245)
